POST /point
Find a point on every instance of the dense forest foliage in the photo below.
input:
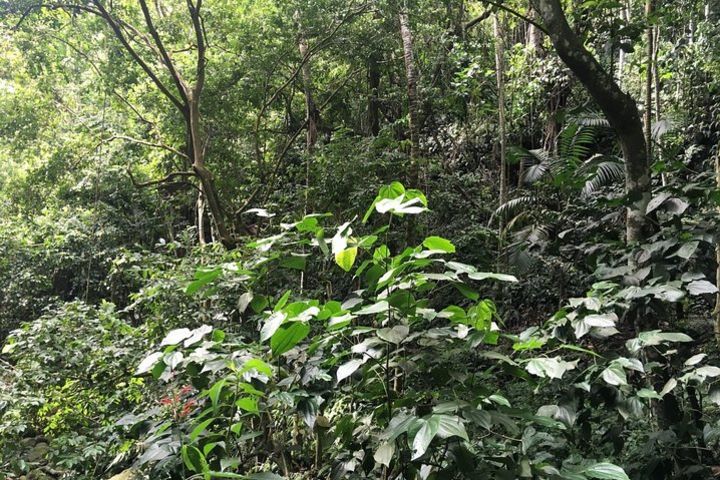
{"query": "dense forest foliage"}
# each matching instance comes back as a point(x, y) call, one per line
point(359, 239)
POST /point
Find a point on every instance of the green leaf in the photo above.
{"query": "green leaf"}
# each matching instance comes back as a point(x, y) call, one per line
point(701, 287)
point(176, 336)
point(494, 276)
point(271, 325)
point(200, 429)
point(450, 426)
point(256, 364)
point(214, 392)
point(549, 367)
point(379, 307)
point(606, 471)
point(288, 336)
point(282, 301)
point(614, 375)
point(248, 404)
point(394, 335)
point(439, 243)
point(383, 455)
point(148, 363)
point(347, 369)
point(346, 258)
point(193, 459)
point(424, 437)
point(202, 278)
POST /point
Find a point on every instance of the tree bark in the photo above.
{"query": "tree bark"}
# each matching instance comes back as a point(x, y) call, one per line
point(373, 114)
point(649, 40)
point(413, 105)
point(502, 142)
point(311, 112)
point(619, 108)
point(717, 253)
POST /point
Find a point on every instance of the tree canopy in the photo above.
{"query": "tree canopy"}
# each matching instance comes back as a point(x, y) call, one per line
point(364, 239)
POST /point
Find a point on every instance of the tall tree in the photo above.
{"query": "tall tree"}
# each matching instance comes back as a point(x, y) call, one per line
point(144, 45)
point(412, 94)
point(502, 134)
point(619, 108)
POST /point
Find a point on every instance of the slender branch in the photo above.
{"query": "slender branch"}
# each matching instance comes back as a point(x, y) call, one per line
point(138, 59)
point(165, 179)
point(477, 19)
point(514, 12)
point(310, 52)
point(200, 39)
point(291, 140)
point(147, 144)
point(163, 52)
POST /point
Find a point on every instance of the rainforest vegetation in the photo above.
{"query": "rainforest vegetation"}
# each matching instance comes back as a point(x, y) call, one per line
point(359, 239)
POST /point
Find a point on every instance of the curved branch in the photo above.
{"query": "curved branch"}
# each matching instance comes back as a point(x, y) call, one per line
point(519, 15)
point(179, 83)
point(147, 144)
point(165, 179)
point(138, 59)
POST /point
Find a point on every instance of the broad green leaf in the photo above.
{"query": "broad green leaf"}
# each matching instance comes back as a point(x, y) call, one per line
point(648, 393)
point(379, 307)
point(271, 325)
point(202, 278)
point(450, 426)
point(347, 369)
point(614, 375)
point(439, 243)
point(695, 359)
point(346, 258)
point(287, 336)
point(494, 276)
point(601, 321)
point(549, 367)
point(148, 363)
point(247, 404)
point(282, 301)
point(669, 387)
point(700, 287)
point(606, 471)
point(215, 391)
point(383, 455)
point(256, 364)
point(708, 371)
point(394, 335)
point(176, 336)
point(424, 437)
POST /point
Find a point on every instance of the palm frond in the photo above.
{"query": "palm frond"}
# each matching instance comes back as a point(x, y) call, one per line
point(513, 207)
point(601, 171)
point(591, 119)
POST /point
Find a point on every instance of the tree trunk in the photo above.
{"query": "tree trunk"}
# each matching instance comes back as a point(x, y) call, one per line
point(619, 108)
point(413, 107)
point(650, 40)
point(207, 182)
point(534, 35)
point(311, 111)
point(500, 79)
point(373, 115)
point(717, 253)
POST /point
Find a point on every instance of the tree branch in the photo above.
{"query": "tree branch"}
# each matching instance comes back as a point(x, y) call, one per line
point(179, 83)
point(514, 12)
point(147, 144)
point(165, 179)
point(138, 59)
